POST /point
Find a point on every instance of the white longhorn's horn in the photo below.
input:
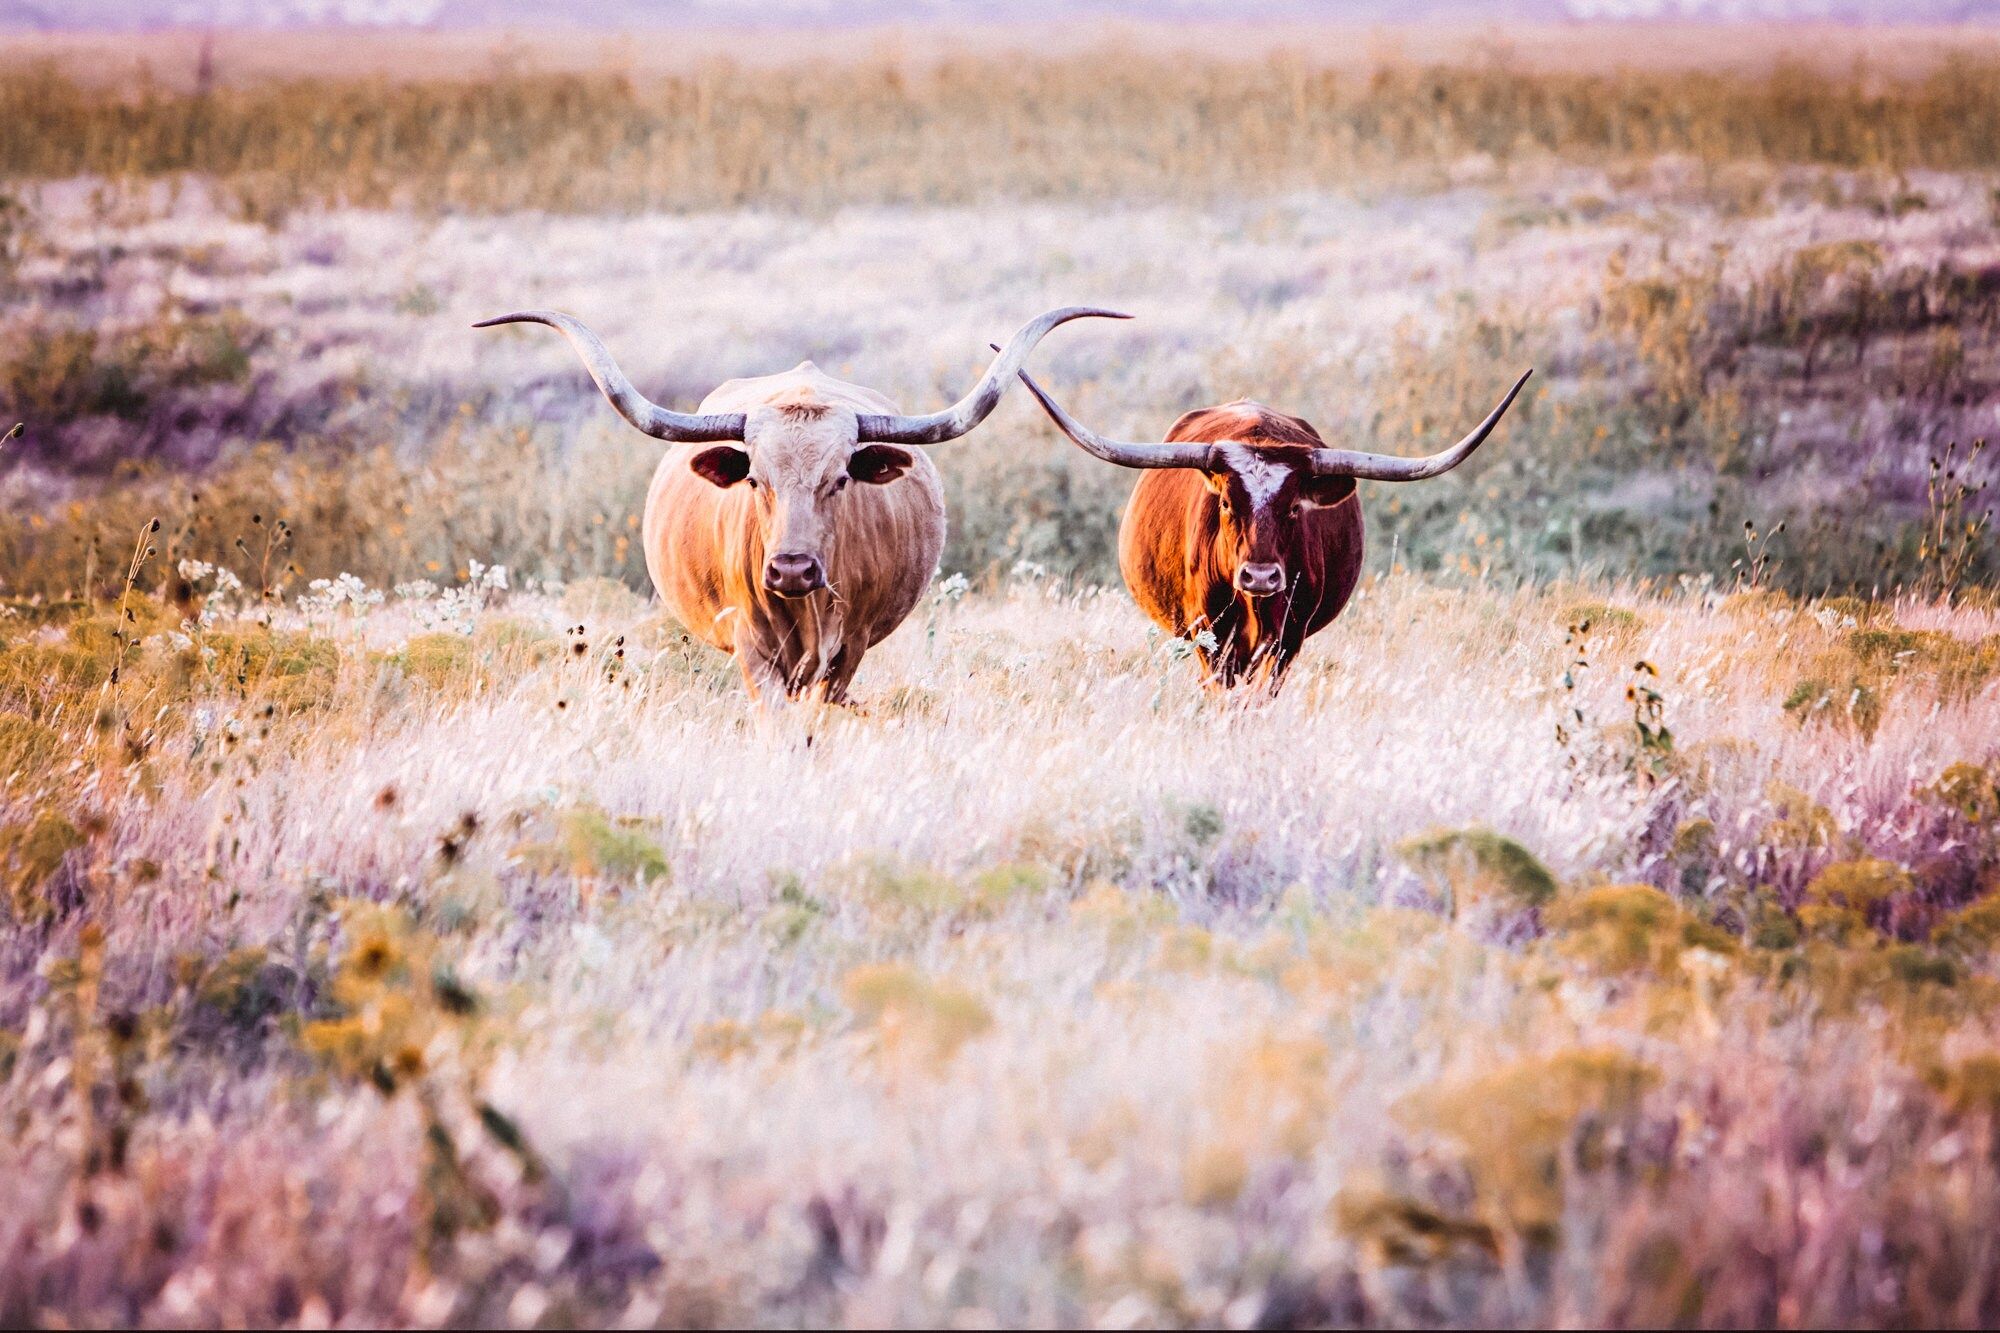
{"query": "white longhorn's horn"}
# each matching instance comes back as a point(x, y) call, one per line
point(974, 408)
point(659, 422)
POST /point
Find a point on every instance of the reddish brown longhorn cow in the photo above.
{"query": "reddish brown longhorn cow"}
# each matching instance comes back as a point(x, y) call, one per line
point(1244, 533)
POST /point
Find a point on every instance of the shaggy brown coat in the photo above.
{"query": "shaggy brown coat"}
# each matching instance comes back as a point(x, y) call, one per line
point(1187, 532)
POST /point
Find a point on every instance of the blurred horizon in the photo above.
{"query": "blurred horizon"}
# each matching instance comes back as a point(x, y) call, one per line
point(615, 15)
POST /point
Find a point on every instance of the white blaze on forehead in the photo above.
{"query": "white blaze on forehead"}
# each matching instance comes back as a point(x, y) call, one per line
point(1262, 477)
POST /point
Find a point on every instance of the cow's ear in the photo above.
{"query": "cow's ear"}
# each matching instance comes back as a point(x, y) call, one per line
point(878, 464)
point(723, 466)
point(1326, 492)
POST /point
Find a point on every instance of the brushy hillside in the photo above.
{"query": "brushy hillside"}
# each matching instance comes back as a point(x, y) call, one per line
point(479, 955)
point(1714, 348)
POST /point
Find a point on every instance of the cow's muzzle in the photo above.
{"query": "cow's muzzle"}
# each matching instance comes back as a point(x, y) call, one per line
point(791, 575)
point(1260, 580)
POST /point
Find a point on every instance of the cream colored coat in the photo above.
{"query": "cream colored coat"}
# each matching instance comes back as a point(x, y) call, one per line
point(706, 544)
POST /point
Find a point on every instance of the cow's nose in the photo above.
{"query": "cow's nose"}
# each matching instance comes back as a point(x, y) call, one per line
point(793, 575)
point(1260, 580)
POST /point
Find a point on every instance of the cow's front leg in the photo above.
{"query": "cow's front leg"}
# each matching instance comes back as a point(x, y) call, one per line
point(1273, 669)
point(763, 676)
point(839, 674)
point(1226, 664)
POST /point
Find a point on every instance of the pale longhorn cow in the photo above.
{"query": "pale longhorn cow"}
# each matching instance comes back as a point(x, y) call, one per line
point(794, 524)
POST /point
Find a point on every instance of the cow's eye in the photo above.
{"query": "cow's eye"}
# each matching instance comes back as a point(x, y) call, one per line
point(751, 482)
point(840, 483)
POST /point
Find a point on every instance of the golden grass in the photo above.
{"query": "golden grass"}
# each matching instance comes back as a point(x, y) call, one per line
point(959, 129)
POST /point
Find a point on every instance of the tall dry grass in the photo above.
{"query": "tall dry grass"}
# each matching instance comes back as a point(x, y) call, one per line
point(880, 130)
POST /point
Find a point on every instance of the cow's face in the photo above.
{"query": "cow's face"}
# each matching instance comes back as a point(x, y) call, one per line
point(1262, 493)
point(799, 461)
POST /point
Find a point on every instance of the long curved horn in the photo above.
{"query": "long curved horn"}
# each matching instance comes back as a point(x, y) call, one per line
point(974, 408)
point(1387, 467)
point(635, 407)
point(1118, 451)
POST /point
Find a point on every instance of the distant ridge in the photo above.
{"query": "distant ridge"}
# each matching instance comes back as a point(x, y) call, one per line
point(614, 15)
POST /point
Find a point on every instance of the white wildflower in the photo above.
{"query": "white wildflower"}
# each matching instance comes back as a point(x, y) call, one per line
point(325, 596)
point(485, 578)
point(200, 571)
point(456, 608)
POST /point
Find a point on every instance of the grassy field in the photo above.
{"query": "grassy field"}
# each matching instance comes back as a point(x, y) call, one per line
point(488, 959)
point(403, 922)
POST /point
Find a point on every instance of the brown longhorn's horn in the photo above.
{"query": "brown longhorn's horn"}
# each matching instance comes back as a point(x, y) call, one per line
point(1119, 451)
point(1387, 467)
point(974, 408)
point(635, 407)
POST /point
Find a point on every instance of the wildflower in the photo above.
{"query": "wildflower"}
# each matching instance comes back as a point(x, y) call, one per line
point(456, 609)
point(373, 956)
point(486, 578)
point(325, 596)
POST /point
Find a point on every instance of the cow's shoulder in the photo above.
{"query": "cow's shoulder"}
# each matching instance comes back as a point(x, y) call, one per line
point(1244, 420)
